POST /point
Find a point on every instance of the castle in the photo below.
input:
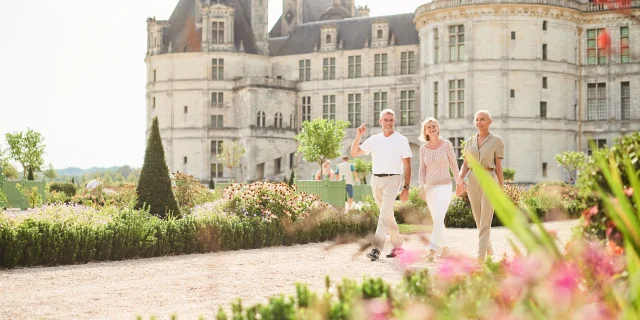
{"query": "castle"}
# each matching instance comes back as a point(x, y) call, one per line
point(217, 74)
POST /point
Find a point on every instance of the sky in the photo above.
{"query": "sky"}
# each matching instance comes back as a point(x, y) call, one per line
point(74, 71)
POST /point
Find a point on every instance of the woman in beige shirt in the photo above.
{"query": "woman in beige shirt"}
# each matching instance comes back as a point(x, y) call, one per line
point(488, 149)
point(436, 158)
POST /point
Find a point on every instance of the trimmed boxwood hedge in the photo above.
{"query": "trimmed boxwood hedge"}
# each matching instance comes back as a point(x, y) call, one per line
point(134, 234)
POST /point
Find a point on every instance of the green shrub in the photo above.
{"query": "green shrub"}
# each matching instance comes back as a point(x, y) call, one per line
point(509, 174)
point(31, 195)
point(154, 187)
point(69, 189)
point(57, 197)
point(412, 212)
point(3, 199)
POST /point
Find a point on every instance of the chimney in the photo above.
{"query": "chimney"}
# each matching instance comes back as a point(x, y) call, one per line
point(363, 11)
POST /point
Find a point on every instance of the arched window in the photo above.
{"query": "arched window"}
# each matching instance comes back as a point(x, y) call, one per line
point(293, 123)
point(261, 119)
point(278, 120)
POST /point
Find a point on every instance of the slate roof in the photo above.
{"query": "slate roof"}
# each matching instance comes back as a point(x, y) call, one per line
point(181, 31)
point(353, 32)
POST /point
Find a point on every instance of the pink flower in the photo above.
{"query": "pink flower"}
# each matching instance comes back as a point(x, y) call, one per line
point(565, 279)
point(378, 309)
point(628, 192)
point(454, 267)
point(408, 258)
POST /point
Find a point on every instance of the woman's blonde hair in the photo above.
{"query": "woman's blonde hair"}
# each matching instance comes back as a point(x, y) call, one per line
point(423, 137)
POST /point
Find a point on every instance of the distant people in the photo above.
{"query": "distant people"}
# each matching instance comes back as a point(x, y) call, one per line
point(391, 157)
point(572, 182)
point(95, 189)
point(346, 171)
point(326, 173)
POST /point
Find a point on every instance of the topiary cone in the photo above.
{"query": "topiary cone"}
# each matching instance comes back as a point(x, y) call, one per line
point(154, 187)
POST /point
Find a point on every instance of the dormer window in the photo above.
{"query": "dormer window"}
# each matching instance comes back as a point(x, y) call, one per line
point(217, 30)
point(380, 34)
point(328, 38)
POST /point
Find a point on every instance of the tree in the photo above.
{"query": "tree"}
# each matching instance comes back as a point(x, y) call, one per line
point(362, 167)
point(230, 154)
point(27, 148)
point(10, 172)
point(50, 173)
point(154, 187)
point(571, 160)
point(321, 140)
point(125, 171)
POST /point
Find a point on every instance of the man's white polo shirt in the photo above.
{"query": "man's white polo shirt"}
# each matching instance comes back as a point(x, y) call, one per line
point(387, 152)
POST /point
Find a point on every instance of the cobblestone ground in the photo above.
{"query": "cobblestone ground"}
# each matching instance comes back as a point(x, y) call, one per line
point(193, 285)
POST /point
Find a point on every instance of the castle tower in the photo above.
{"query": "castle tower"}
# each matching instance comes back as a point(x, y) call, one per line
point(291, 15)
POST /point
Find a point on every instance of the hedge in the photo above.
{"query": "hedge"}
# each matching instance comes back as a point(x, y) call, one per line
point(137, 234)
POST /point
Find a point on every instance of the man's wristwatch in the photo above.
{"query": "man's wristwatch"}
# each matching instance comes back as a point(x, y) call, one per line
point(405, 187)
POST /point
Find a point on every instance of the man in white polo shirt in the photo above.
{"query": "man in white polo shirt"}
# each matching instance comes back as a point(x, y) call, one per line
point(391, 157)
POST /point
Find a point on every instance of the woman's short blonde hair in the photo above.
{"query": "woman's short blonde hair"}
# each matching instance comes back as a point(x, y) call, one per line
point(326, 163)
point(485, 112)
point(423, 137)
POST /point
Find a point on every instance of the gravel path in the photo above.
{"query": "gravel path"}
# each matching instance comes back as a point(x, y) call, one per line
point(193, 285)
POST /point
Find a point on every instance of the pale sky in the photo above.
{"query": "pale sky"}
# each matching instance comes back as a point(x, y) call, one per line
point(74, 71)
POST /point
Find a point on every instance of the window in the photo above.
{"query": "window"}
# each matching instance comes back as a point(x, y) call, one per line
point(435, 99)
point(513, 35)
point(624, 44)
point(436, 46)
point(277, 120)
point(217, 32)
point(596, 52)
point(260, 171)
point(154, 75)
point(217, 121)
point(380, 65)
point(456, 43)
point(544, 169)
point(186, 109)
point(596, 101)
point(305, 70)
point(153, 102)
point(544, 83)
point(544, 25)
point(543, 109)
point(217, 99)
point(329, 107)
point(544, 51)
point(355, 110)
point(379, 34)
point(306, 109)
point(328, 68)
point(512, 93)
point(355, 67)
point(293, 122)
point(216, 147)
point(407, 62)
point(456, 98)
point(328, 38)
point(277, 166)
point(407, 107)
point(217, 69)
point(216, 170)
point(184, 160)
point(379, 103)
point(260, 119)
point(598, 143)
point(625, 101)
point(292, 160)
point(457, 148)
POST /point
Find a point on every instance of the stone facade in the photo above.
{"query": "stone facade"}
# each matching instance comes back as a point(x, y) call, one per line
point(529, 64)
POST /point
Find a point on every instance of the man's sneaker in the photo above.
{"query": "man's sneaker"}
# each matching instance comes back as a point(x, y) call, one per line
point(374, 254)
point(395, 252)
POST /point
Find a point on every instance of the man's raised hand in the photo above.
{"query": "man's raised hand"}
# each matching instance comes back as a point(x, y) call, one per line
point(362, 129)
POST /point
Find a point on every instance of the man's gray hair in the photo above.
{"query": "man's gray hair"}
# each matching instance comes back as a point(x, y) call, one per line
point(387, 111)
point(485, 112)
